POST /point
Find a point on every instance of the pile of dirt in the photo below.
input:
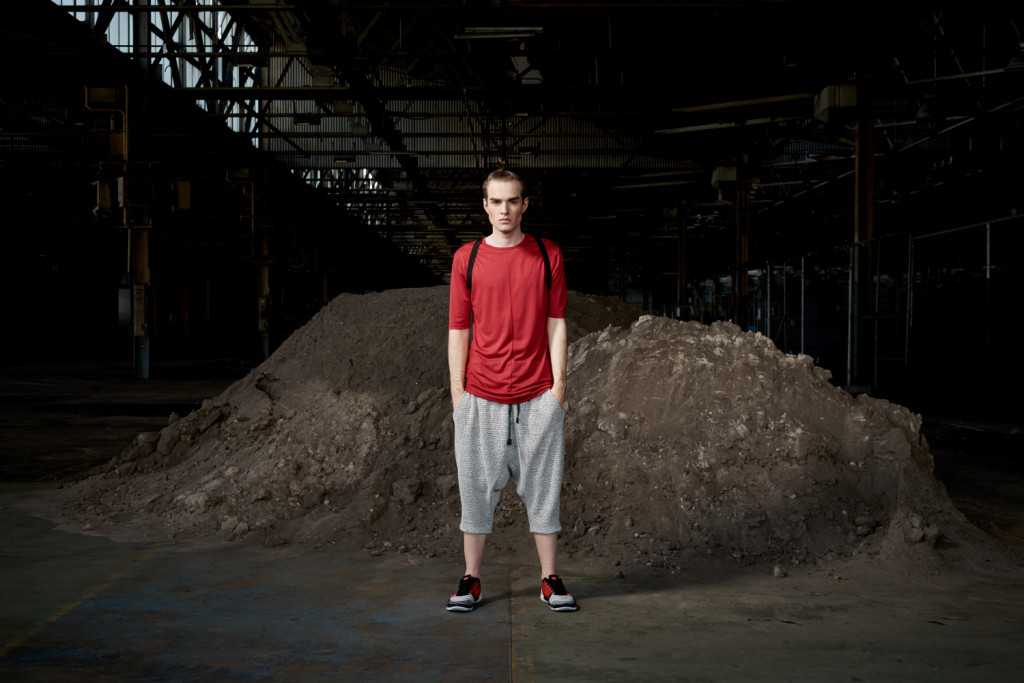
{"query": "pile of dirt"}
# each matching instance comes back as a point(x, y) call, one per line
point(688, 438)
point(683, 440)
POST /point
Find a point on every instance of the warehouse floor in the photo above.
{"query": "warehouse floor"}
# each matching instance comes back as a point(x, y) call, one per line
point(82, 606)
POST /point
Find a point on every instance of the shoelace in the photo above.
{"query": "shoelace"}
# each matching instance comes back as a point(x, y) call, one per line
point(465, 585)
point(557, 587)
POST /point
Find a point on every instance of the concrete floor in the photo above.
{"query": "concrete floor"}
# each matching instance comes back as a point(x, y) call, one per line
point(83, 607)
point(80, 607)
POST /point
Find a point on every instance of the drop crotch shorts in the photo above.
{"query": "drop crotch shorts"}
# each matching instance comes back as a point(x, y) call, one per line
point(495, 442)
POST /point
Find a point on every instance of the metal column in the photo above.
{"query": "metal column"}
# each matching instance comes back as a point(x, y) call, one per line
point(138, 238)
point(863, 226)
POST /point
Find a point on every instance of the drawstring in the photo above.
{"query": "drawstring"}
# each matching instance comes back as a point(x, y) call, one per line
point(508, 442)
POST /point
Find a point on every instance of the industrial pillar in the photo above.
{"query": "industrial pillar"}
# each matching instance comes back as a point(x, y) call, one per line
point(263, 225)
point(725, 179)
point(682, 300)
point(136, 200)
point(136, 217)
point(839, 104)
point(741, 286)
point(863, 230)
point(263, 292)
point(138, 237)
point(126, 185)
point(260, 228)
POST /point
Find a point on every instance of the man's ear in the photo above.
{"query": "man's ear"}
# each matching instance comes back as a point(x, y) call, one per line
point(526, 203)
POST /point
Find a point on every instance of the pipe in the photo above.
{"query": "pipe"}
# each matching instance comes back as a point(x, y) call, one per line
point(988, 291)
point(122, 112)
point(803, 302)
point(874, 280)
point(785, 310)
point(910, 300)
point(850, 317)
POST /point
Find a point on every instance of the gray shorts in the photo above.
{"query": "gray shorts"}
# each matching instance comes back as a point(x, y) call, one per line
point(495, 442)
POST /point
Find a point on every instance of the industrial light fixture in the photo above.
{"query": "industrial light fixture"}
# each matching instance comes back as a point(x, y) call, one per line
point(1017, 61)
point(345, 159)
point(306, 120)
point(477, 32)
point(930, 110)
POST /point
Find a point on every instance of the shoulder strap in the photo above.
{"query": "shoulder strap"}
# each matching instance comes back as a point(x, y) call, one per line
point(469, 266)
point(547, 262)
point(543, 255)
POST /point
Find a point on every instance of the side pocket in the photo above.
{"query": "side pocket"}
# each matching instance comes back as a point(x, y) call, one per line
point(558, 405)
point(463, 400)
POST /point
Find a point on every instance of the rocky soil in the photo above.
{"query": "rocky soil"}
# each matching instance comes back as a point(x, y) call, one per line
point(684, 441)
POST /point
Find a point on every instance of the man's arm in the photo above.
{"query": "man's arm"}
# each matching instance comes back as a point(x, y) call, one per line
point(458, 353)
point(558, 349)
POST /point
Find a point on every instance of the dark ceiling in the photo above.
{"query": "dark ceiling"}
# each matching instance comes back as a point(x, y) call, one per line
point(786, 126)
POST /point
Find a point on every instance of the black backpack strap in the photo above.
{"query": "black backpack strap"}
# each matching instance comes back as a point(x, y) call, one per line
point(547, 262)
point(472, 257)
point(543, 255)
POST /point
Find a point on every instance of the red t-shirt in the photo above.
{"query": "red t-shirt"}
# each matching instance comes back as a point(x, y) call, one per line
point(508, 357)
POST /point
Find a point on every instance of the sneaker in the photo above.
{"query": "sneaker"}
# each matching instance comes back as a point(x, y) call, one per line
point(467, 596)
point(552, 591)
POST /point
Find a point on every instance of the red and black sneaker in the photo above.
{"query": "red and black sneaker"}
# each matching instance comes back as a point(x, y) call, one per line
point(467, 596)
point(552, 591)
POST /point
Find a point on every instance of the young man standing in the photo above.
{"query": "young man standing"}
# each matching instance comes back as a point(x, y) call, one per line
point(508, 389)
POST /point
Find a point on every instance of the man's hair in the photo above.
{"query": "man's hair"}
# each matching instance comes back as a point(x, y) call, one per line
point(504, 175)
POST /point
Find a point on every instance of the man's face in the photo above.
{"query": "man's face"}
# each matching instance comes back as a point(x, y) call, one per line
point(505, 205)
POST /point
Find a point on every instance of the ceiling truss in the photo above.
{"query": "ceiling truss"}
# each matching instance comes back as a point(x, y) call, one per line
point(396, 110)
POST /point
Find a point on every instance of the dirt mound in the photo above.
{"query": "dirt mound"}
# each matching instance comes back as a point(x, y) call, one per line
point(344, 433)
point(683, 440)
point(688, 437)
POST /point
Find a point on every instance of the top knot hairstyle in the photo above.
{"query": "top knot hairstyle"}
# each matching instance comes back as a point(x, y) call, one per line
point(502, 174)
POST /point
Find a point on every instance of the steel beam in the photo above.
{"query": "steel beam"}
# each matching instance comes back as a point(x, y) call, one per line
point(538, 93)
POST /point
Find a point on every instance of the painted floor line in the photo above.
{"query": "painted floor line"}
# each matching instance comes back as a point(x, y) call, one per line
point(65, 609)
point(520, 662)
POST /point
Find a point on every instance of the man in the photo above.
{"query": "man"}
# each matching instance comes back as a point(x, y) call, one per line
point(508, 390)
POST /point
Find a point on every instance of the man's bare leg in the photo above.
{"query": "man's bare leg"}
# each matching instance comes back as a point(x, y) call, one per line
point(552, 592)
point(547, 549)
point(473, 549)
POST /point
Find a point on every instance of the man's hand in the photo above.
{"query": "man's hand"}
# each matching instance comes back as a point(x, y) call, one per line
point(458, 352)
point(457, 392)
point(558, 389)
point(558, 348)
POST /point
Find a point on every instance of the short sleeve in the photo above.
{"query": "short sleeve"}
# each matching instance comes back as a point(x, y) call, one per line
point(558, 294)
point(458, 297)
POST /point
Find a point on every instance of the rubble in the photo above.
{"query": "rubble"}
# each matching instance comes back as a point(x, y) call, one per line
point(683, 441)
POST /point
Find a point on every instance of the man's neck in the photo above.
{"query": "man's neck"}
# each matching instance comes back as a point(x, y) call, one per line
point(505, 239)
